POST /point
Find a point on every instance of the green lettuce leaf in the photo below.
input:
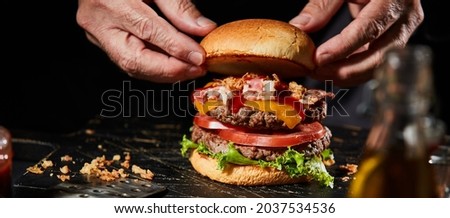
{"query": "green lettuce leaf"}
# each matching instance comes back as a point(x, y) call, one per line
point(292, 161)
point(327, 154)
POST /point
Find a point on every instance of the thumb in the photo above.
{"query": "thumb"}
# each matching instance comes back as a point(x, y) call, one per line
point(316, 14)
point(184, 15)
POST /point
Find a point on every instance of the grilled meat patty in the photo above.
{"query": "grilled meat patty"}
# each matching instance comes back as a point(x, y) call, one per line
point(216, 144)
point(315, 109)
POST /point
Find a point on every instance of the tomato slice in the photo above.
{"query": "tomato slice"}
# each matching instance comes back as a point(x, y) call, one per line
point(304, 133)
point(208, 122)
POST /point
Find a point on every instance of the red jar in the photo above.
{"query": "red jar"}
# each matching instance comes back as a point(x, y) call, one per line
point(5, 162)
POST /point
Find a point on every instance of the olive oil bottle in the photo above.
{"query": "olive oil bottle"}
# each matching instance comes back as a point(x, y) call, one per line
point(395, 157)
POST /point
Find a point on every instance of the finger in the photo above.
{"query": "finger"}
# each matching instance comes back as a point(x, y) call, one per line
point(398, 34)
point(346, 73)
point(316, 14)
point(184, 15)
point(92, 39)
point(359, 67)
point(132, 56)
point(366, 27)
point(359, 2)
point(156, 67)
point(174, 71)
point(144, 23)
point(355, 9)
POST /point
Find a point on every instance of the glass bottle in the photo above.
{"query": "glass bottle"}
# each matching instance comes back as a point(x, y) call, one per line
point(395, 156)
point(5, 162)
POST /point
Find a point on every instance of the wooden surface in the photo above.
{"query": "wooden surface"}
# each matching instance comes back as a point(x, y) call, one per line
point(153, 144)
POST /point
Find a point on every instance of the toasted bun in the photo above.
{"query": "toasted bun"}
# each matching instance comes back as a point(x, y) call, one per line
point(241, 175)
point(260, 46)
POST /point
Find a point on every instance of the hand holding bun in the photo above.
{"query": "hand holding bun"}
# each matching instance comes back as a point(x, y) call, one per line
point(259, 45)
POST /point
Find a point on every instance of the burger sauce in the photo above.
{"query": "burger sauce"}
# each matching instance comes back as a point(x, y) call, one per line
point(282, 97)
point(5, 162)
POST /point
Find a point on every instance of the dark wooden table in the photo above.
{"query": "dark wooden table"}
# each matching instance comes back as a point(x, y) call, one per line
point(153, 144)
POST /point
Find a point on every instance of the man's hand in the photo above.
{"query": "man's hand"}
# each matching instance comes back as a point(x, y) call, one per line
point(350, 57)
point(141, 42)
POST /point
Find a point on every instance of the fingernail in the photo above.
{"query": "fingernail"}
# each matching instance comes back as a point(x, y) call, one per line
point(303, 20)
point(204, 22)
point(196, 58)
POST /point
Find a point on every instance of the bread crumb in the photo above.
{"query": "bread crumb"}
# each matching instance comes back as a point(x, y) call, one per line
point(345, 179)
point(66, 158)
point(35, 169)
point(126, 164)
point(127, 155)
point(38, 168)
point(46, 164)
point(97, 168)
point(63, 177)
point(116, 157)
point(350, 168)
point(143, 173)
point(65, 169)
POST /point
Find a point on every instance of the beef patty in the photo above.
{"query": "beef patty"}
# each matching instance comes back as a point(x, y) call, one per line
point(314, 108)
point(216, 144)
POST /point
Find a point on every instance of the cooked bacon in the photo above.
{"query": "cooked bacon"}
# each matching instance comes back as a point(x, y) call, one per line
point(313, 96)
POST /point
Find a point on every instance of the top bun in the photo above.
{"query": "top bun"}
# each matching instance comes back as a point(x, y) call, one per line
point(260, 46)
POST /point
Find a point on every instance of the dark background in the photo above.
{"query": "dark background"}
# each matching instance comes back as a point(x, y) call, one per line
point(52, 78)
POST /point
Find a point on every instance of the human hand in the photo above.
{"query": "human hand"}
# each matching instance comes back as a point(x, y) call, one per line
point(350, 57)
point(142, 43)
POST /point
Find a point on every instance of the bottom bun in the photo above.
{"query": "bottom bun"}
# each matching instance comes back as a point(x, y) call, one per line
point(249, 175)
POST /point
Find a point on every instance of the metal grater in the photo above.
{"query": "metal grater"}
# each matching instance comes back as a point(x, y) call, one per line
point(96, 188)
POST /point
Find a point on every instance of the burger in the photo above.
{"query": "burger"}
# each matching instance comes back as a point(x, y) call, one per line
point(251, 127)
